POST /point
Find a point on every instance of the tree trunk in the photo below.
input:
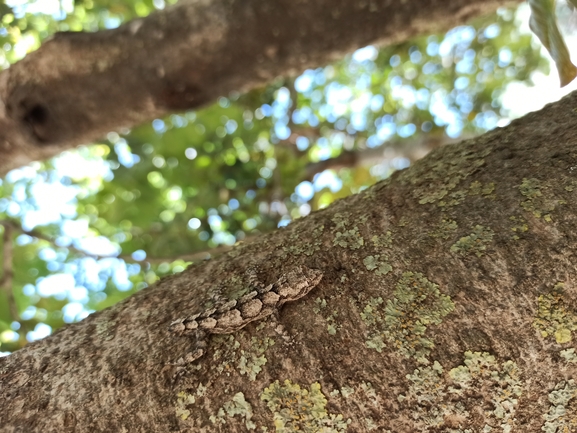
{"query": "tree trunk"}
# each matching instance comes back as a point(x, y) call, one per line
point(79, 86)
point(441, 299)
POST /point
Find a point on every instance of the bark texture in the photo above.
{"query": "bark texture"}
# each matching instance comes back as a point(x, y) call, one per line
point(447, 303)
point(79, 86)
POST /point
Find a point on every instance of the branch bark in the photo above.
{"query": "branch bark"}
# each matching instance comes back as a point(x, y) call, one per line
point(79, 86)
point(447, 301)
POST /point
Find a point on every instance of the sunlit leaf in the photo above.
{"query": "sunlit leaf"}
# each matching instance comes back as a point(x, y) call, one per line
point(544, 25)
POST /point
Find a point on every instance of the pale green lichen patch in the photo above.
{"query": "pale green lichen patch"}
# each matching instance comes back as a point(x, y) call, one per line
point(225, 353)
point(571, 186)
point(219, 418)
point(183, 400)
point(367, 388)
point(201, 390)
point(477, 188)
point(321, 305)
point(530, 188)
point(347, 391)
point(252, 361)
point(429, 196)
point(436, 397)
point(438, 179)
point(344, 238)
point(383, 269)
point(402, 322)
point(569, 355)
point(562, 415)
point(370, 424)
point(331, 318)
point(340, 220)
point(307, 248)
point(445, 229)
point(249, 361)
point(301, 410)
point(475, 243)
point(535, 201)
point(383, 241)
point(519, 226)
point(372, 314)
point(349, 239)
point(553, 316)
point(372, 263)
point(239, 406)
point(454, 198)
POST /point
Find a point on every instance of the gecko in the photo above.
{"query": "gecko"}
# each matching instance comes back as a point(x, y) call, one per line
point(228, 316)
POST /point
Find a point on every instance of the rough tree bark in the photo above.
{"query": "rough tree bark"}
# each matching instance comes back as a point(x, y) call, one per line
point(447, 299)
point(79, 86)
point(447, 303)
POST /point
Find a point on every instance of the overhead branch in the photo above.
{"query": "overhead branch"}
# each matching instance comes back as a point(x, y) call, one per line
point(186, 56)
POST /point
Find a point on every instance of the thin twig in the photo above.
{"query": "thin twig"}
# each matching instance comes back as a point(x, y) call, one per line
point(190, 257)
point(7, 271)
point(39, 235)
point(411, 150)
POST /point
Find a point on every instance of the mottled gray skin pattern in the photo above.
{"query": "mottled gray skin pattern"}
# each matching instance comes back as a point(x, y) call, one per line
point(228, 316)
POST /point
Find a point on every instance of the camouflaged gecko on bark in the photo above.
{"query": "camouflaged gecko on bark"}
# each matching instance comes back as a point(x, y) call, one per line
point(228, 316)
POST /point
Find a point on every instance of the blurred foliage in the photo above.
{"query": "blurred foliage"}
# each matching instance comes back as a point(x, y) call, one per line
point(94, 225)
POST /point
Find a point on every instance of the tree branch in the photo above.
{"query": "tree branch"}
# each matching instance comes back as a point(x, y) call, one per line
point(186, 56)
point(428, 287)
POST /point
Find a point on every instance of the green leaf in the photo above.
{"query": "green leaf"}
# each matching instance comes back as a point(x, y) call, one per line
point(544, 25)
